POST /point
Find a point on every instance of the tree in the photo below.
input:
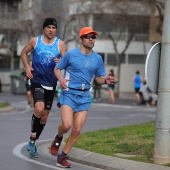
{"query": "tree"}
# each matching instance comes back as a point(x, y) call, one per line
point(10, 31)
point(159, 5)
point(156, 21)
point(56, 9)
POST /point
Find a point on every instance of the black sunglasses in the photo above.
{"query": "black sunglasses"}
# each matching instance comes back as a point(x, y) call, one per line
point(89, 36)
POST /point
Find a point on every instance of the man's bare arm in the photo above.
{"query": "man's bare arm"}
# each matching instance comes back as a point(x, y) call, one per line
point(105, 80)
point(62, 48)
point(28, 48)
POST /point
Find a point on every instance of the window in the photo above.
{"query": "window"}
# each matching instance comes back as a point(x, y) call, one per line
point(136, 59)
point(124, 59)
point(4, 62)
point(3, 8)
point(102, 55)
point(111, 59)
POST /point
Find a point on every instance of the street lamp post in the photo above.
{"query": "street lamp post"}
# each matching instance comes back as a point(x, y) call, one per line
point(162, 127)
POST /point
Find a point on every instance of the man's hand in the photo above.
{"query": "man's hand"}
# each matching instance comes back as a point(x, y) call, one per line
point(56, 60)
point(63, 83)
point(28, 71)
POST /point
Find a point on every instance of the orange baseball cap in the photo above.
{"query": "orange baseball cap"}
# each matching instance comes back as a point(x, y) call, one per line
point(87, 30)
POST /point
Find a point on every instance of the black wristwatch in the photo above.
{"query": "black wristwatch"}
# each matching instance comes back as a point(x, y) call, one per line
point(105, 81)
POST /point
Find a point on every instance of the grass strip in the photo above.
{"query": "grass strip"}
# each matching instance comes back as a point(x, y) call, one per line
point(4, 105)
point(134, 142)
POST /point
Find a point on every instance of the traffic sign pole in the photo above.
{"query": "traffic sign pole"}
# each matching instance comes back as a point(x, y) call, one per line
point(162, 126)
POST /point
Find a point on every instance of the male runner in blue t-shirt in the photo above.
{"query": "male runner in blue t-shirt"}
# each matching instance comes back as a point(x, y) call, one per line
point(47, 50)
point(81, 66)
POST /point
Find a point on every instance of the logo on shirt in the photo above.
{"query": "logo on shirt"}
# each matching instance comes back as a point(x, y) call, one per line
point(47, 60)
point(45, 57)
point(86, 63)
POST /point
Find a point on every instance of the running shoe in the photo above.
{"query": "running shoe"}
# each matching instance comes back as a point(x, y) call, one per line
point(31, 148)
point(34, 154)
point(62, 162)
point(55, 146)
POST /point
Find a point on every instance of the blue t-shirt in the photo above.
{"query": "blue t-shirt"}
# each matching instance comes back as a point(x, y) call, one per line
point(80, 68)
point(137, 81)
point(43, 62)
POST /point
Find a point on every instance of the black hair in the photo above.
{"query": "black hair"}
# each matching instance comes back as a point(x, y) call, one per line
point(137, 72)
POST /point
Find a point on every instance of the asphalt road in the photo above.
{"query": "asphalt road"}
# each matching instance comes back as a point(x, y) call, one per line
point(15, 130)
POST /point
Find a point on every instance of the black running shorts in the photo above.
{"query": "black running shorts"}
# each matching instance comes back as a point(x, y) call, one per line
point(42, 95)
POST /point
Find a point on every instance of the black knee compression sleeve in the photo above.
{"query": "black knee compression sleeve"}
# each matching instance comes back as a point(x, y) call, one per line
point(35, 123)
point(40, 129)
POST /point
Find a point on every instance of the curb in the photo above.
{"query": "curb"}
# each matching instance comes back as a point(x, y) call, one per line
point(99, 160)
point(7, 109)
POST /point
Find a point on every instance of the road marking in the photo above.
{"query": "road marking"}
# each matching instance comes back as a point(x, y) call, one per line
point(125, 106)
point(117, 106)
point(14, 112)
point(17, 152)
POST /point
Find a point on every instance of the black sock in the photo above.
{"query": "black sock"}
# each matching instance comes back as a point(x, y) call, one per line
point(62, 155)
point(59, 139)
point(40, 129)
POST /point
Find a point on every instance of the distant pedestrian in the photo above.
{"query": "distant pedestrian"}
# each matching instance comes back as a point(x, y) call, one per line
point(47, 50)
point(28, 90)
point(137, 80)
point(147, 96)
point(97, 91)
point(152, 98)
point(111, 88)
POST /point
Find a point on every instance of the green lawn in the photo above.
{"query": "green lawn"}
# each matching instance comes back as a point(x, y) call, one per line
point(4, 105)
point(134, 142)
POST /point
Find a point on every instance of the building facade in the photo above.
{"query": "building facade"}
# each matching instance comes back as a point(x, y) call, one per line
point(123, 27)
point(9, 33)
point(116, 22)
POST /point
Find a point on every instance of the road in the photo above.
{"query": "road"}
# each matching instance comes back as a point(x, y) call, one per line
point(15, 130)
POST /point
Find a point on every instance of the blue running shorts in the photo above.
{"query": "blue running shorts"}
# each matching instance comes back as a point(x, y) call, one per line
point(77, 100)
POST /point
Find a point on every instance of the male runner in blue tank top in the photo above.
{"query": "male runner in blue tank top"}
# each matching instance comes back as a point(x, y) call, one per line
point(47, 50)
point(81, 65)
point(137, 80)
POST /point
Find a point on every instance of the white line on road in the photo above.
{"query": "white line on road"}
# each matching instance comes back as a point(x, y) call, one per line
point(117, 106)
point(125, 106)
point(17, 152)
point(14, 112)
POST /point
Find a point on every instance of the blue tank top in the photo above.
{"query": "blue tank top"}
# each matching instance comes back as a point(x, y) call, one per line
point(43, 62)
point(137, 81)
